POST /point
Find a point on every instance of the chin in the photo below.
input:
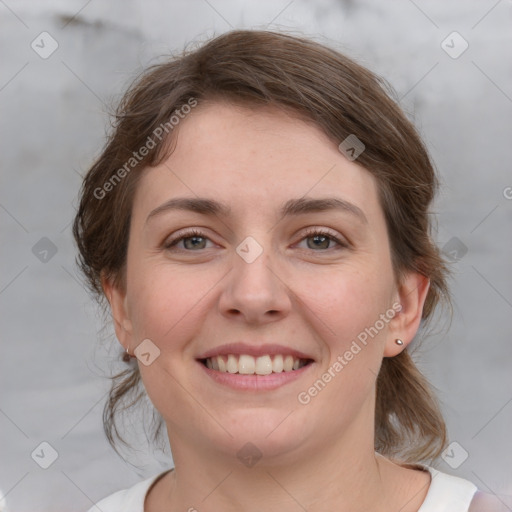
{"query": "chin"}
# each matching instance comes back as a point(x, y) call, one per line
point(273, 436)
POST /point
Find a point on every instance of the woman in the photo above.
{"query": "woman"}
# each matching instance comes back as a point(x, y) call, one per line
point(259, 225)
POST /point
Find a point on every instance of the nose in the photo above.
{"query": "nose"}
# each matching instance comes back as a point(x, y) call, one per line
point(254, 291)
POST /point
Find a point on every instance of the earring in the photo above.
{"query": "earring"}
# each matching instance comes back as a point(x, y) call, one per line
point(127, 356)
point(399, 342)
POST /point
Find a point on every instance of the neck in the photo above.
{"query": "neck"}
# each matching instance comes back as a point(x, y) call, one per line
point(342, 474)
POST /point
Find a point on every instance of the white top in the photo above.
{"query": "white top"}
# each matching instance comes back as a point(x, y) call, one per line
point(446, 493)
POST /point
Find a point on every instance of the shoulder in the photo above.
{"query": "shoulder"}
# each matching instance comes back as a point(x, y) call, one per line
point(448, 492)
point(483, 502)
point(127, 500)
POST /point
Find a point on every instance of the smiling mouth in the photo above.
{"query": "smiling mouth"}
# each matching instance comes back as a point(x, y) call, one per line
point(248, 365)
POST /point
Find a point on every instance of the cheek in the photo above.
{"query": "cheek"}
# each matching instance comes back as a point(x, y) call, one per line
point(164, 301)
point(346, 302)
point(345, 310)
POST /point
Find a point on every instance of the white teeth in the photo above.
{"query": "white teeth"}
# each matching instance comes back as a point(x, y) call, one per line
point(232, 364)
point(288, 364)
point(277, 364)
point(249, 365)
point(246, 365)
point(264, 365)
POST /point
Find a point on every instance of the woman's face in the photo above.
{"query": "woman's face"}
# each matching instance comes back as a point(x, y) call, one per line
point(257, 288)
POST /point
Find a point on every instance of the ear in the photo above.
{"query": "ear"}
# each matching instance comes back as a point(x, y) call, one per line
point(120, 314)
point(411, 294)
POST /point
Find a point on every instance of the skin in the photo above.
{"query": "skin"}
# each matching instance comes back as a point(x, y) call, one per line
point(187, 300)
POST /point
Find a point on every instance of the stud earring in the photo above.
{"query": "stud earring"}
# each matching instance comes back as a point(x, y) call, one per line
point(127, 357)
point(399, 341)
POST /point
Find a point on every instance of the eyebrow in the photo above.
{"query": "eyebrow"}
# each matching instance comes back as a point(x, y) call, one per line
point(292, 207)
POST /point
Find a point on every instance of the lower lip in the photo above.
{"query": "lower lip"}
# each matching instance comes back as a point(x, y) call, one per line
point(255, 382)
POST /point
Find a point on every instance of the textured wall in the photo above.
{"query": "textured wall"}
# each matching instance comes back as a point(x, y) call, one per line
point(53, 119)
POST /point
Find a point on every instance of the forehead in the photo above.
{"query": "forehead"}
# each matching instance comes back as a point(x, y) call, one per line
point(255, 158)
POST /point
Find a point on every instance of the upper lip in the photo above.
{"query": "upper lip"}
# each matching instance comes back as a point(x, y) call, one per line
point(241, 348)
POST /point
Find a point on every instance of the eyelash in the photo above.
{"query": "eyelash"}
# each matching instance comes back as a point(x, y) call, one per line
point(311, 232)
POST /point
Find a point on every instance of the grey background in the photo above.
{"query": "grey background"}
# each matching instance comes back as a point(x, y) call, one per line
point(53, 123)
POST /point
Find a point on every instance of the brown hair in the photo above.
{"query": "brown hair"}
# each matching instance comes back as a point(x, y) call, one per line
point(319, 84)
